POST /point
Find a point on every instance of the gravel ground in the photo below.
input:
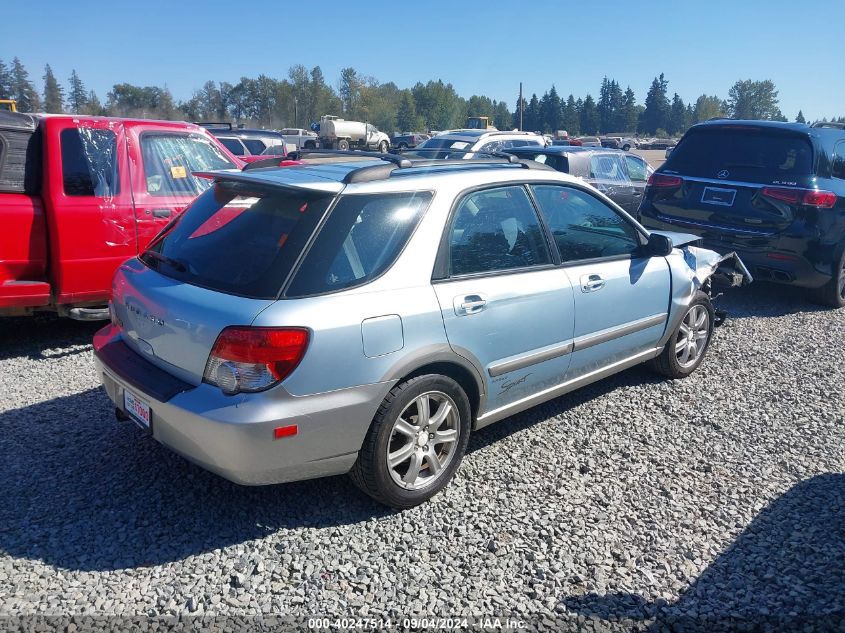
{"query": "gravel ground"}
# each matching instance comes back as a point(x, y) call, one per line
point(716, 501)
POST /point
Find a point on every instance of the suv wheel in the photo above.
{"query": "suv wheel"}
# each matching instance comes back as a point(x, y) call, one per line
point(415, 443)
point(832, 294)
point(626, 147)
point(686, 347)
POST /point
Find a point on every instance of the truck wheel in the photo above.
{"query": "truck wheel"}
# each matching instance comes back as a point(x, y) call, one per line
point(832, 294)
point(402, 146)
point(685, 349)
point(343, 144)
point(626, 148)
point(415, 443)
point(310, 145)
point(382, 147)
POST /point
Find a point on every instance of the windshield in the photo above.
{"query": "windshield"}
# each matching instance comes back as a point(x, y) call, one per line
point(442, 148)
point(752, 155)
point(238, 239)
point(170, 160)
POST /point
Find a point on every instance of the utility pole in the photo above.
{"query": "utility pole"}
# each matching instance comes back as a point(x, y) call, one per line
point(520, 106)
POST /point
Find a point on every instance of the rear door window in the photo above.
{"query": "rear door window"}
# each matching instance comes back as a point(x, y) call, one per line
point(171, 159)
point(637, 168)
point(749, 155)
point(361, 239)
point(233, 145)
point(496, 230)
point(254, 145)
point(89, 162)
point(608, 168)
point(238, 239)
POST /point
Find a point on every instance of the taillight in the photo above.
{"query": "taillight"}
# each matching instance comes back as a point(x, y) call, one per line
point(820, 199)
point(806, 197)
point(254, 358)
point(664, 181)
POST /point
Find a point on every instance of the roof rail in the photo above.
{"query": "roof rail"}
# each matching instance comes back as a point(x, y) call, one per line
point(215, 125)
point(829, 124)
point(391, 158)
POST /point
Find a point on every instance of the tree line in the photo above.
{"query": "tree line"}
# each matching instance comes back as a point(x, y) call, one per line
point(305, 95)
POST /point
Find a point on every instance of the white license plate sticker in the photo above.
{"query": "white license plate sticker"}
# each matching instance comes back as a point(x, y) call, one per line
point(718, 195)
point(137, 409)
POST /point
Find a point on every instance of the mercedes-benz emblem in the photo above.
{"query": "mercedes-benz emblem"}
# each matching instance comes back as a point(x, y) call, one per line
point(724, 173)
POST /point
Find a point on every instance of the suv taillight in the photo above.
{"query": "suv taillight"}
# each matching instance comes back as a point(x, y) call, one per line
point(254, 358)
point(664, 181)
point(806, 197)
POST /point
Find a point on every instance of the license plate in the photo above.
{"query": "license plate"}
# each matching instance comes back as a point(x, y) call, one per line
point(137, 409)
point(718, 195)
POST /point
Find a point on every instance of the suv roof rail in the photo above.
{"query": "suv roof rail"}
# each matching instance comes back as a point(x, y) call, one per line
point(398, 162)
point(215, 125)
point(829, 124)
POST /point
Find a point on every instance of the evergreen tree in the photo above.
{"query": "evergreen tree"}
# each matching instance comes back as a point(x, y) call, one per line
point(501, 115)
point(677, 115)
point(406, 115)
point(77, 97)
point(628, 115)
point(5, 81)
point(515, 119)
point(550, 107)
point(22, 89)
point(657, 107)
point(93, 106)
point(589, 116)
point(53, 93)
point(800, 118)
point(570, 117)
point(532, 120)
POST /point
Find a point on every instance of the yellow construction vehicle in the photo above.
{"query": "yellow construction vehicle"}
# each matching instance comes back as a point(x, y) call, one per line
point(480, 123)
point(9, 104)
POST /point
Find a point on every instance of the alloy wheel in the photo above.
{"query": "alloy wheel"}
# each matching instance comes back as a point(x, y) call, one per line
point(692, 336)
point(423, 440)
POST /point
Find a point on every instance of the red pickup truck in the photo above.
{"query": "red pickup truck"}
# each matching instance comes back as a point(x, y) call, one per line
point(80, 195)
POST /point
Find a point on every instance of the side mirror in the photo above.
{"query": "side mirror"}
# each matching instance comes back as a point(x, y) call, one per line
point(659, 245)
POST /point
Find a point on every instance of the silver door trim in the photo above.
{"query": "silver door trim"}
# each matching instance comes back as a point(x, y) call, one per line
point(574, 345)
point(531, 358)
point(617, 331)
point(558, 390)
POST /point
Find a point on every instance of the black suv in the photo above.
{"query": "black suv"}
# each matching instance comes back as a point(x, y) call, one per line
point(773, 192)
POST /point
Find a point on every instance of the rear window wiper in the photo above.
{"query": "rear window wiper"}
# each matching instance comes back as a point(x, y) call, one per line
point(173, 263)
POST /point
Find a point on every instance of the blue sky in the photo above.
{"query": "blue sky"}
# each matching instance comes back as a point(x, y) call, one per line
point(481, 47)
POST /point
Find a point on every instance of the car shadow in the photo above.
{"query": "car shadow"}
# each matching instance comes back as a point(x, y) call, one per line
point(85, 492)
point(762, 299)
point(785, 571)
point(44, 336)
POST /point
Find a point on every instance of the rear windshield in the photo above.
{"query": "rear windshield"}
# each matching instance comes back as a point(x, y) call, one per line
point(442, 148)
point(237, 239)
point(750, 155)
point(245, 241)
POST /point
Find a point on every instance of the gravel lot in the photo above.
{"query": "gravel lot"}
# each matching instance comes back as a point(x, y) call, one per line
point(710, 502)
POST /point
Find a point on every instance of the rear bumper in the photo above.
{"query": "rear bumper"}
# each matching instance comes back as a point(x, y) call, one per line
point(232, 436)
point(793, 257)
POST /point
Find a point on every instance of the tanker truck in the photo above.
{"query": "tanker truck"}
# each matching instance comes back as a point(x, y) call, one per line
point(337, 133)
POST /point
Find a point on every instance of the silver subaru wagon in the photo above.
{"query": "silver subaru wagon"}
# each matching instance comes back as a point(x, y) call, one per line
point(367, 316)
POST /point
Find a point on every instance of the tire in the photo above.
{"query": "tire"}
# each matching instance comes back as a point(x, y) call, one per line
point(396, 430)
point(402, 146)
point(832, 294)
point(626, 148)
point(310, 145)
point(672, 361)
point(383, 147)
point(343, 144)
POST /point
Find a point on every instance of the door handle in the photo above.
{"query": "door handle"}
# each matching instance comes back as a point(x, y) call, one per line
point(469, 304)
point(162, 213)
point(591, 283)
